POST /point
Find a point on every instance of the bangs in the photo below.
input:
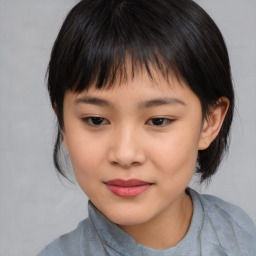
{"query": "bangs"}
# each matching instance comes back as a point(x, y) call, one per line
point(117, 66)
point(101, 48)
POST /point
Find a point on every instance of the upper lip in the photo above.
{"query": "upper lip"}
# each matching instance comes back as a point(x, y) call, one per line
point(127, 183)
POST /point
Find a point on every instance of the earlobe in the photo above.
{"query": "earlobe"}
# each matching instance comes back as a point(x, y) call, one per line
point(64, 140)
point(213, 123)
point(55, 109)
point(62, 133)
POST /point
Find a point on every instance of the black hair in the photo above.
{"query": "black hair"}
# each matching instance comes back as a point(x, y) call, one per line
point(99, 37)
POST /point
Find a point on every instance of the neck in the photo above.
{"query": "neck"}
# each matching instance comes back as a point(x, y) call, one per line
point(167, 229)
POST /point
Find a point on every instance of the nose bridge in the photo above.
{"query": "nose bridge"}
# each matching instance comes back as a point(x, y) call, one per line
point(126, 147)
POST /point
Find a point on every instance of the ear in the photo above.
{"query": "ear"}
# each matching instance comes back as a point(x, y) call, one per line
point(64, 140)
point(62, 132)
point(213, 122)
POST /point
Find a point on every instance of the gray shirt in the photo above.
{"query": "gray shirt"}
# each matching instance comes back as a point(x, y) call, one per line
point(217, 228)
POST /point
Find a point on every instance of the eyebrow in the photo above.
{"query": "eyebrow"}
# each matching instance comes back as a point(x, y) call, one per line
point(94, 101)
point(161, 101)
point(144, 104)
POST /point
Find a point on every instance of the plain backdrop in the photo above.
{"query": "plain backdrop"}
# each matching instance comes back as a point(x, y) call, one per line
point(35, 206)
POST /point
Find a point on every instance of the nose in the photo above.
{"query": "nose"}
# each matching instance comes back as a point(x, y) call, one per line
point(126, 150)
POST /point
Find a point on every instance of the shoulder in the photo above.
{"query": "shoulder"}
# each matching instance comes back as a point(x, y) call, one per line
point(70, 243)
point(221, 210)
point(231, 225)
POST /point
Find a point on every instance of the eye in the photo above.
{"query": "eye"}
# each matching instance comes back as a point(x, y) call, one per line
point(160, 121)
point(95, 120)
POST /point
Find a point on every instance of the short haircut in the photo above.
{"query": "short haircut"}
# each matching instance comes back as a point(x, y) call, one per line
point(99, 37)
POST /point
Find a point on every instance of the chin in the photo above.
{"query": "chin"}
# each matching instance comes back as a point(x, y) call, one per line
point(125, 212)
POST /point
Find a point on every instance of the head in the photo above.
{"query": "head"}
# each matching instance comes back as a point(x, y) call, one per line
point(105, 43)
point(109, 60)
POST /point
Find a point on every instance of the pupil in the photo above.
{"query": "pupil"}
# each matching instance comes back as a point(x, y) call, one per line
point(158, 121)
point(97, 120)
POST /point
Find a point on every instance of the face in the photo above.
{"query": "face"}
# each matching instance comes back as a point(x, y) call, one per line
point(134, 147)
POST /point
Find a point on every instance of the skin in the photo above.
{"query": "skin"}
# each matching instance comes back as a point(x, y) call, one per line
point(128, 143)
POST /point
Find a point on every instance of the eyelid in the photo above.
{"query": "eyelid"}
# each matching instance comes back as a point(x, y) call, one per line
point(88, 122)
point(167, 121)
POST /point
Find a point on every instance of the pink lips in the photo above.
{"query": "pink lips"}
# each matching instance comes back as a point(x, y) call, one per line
point(127, 188)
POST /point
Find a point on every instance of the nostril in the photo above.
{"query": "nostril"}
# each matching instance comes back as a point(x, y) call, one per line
point(115, 163)
point(126, 165)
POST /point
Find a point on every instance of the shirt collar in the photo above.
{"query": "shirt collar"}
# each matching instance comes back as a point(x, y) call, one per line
point(115, 238)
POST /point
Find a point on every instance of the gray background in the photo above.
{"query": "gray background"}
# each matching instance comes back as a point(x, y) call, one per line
point(35, 206)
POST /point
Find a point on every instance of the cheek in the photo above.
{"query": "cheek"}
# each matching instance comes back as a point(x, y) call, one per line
point(86, 158)
point(86, 155)
point(177, 153)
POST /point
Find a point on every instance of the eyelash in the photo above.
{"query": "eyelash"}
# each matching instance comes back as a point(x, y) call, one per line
point(164, 119)
point(89, 121)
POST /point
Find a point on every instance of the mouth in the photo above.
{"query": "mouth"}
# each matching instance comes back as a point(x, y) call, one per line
point(127, 188)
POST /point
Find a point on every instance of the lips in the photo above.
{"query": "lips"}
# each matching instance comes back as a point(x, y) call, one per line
point(127, 188)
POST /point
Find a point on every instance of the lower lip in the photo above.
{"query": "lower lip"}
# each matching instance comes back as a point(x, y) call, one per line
point(128, 192)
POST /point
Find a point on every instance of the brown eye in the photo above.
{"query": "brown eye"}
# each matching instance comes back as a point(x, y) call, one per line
point(95, 120)
point(160, 121)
